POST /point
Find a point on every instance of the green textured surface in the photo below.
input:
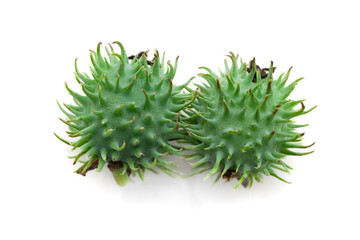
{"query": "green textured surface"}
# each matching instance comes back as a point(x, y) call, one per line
point(242, 126)
point(128, 112)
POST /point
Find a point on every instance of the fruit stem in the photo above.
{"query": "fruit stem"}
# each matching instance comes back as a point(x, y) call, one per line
point(120, 176)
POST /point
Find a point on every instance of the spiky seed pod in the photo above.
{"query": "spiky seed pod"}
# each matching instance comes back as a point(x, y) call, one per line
point(127, 114)
point(241, 124)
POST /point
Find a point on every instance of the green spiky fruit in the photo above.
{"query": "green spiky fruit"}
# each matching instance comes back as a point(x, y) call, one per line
point(127, 114)
point(241, 123)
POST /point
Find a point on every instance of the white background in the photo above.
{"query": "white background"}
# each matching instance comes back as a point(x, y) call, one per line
point(41, 197)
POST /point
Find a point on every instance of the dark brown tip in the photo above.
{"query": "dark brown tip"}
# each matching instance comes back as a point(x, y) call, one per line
point(275, 111)
point(218, 84)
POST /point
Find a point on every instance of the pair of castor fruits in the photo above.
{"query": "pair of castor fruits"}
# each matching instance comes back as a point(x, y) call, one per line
point(130, 116)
